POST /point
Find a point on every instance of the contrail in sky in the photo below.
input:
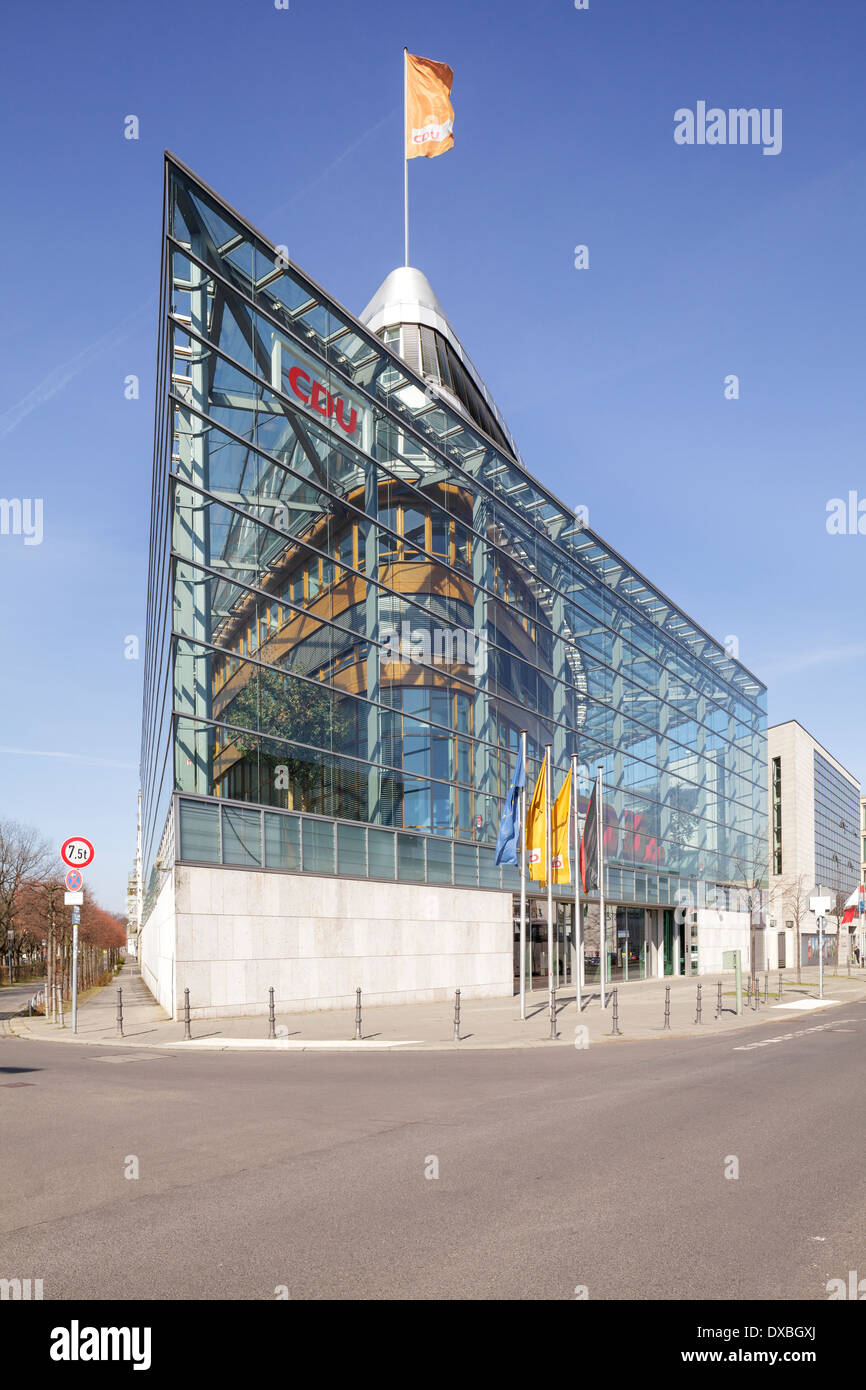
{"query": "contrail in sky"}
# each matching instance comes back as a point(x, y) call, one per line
point(62, 375)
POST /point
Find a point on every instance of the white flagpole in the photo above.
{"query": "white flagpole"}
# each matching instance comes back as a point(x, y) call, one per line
point(405, 153)
point(578, 925)
point(549, 852)
point(523, 879)
point(602, 949)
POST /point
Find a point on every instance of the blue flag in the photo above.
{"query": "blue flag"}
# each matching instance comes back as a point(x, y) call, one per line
point(509, 830)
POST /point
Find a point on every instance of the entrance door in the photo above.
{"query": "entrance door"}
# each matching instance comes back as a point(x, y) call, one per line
point(537, 945)
point(669, 941)
point(782, 950)
point(628, 953)
point(674, 944)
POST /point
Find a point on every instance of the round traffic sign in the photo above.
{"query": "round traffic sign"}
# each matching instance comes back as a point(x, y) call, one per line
point(74, 880)
point(77, 852)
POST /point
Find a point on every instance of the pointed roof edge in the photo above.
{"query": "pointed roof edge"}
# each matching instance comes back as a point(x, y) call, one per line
point(406, 296)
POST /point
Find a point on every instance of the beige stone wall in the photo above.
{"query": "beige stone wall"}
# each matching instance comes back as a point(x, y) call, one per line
point(157, 947)
point(315, 940)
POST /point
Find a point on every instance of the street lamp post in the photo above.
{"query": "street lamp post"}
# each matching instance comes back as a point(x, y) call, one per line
point(10, 937)
point(820, 906)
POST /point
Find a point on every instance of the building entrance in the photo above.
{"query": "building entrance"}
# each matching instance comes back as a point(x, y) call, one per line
point(632, 943)
point(536, 942)
point(674, 945)
point(627, 952)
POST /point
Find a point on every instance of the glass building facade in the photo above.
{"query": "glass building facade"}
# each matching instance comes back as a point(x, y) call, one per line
point(358, 597)
point(837, 838)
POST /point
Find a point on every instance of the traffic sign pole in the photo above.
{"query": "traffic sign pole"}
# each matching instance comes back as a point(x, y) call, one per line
point(820, 957)
point(76, 853)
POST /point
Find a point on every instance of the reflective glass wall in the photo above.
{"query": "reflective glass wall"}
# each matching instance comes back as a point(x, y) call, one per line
point(358, 600)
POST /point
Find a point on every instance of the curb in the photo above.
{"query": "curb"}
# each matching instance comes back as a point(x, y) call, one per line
point(326, 1046)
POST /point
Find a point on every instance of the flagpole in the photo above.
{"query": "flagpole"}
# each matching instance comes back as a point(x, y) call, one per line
point(405, 155)
point(523, 880)
point(602, 953)
point(548, 777)
point(578, 933)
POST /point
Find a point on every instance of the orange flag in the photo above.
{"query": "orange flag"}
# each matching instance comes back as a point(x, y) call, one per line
point(536, 828)
point(560, 823)
point(429, 113)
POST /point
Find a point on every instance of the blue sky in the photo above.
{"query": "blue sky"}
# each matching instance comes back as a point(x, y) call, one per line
point(705, 261)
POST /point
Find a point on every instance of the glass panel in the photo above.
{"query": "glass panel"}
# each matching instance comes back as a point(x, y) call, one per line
point(438, 861)
point(465, 865)
point(199, 832)
point(488, 870)
point(381, 851)
point(242, 836)
point(352, 851)
point(318, 842)
point(410, 858)
point(282, 842)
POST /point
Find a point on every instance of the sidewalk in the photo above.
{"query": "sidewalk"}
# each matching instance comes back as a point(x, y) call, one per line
point(484, 1023)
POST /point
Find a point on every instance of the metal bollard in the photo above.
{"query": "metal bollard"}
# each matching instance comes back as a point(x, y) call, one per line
point(187, 1035)
point(755, 993)
point(119, 1012)
point(667, 1023)
point(749, 993)
point(552, 1015)
point(780, 986)
point(698, 1014)
point(766, 987)
point(456, 1015)
point(616, 1031)
point(358, 1014)
point(272, 1029)
point(60, 1005)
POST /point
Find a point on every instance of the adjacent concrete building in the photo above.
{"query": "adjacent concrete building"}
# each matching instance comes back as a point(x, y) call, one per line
point(814, 843)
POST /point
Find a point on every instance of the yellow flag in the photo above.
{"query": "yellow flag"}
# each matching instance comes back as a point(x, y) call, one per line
point(560, 818)
point(536, 829)
point(429, 113)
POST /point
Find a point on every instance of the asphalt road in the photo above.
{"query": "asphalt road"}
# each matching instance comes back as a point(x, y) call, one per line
point(14, 997)
point(602, 1168)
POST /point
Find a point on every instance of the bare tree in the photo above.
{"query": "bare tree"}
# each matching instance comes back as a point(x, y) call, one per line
point(795, 899)
point(837, 910)
point(40, 918)
point(753, 881)
point(24, 855)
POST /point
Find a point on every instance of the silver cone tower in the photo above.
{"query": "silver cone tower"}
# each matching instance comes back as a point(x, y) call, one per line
point(406, 314)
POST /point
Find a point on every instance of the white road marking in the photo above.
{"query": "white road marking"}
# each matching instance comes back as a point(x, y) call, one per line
point(807, 1004)
point(800, 1033)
